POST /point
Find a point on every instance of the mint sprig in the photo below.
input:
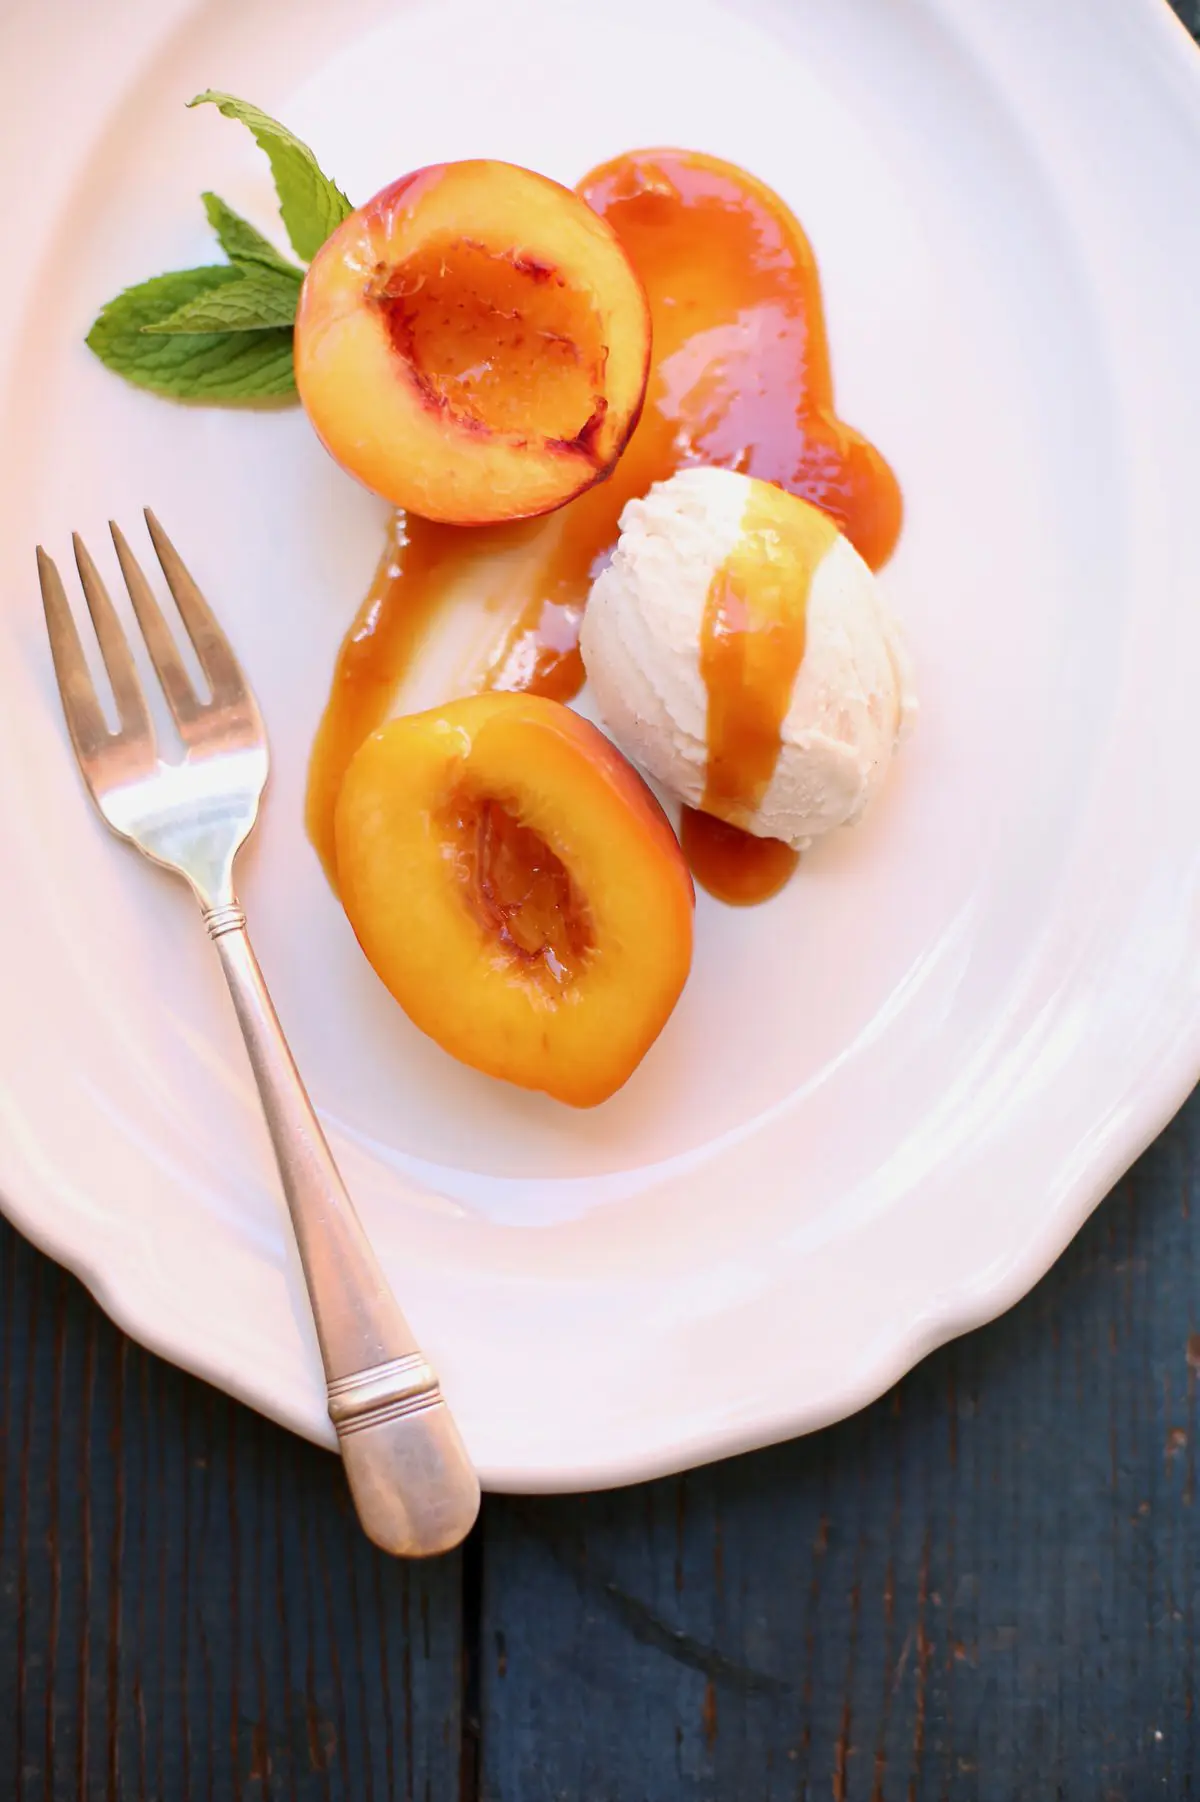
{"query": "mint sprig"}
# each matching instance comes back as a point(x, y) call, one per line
point(242, 242)
point(310, 205)
point(223, 332)
point(208, 365)
point(253, 302)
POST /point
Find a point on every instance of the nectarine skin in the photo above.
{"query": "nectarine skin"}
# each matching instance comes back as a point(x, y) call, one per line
point(473, 344)
point(518, 889)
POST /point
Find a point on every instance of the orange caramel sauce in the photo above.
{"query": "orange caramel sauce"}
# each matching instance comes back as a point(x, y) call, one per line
point(733, 865)
point(740, 377)
point(751, 646)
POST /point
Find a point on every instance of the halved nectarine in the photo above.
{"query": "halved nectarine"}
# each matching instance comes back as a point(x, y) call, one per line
point(518, 889)
point(473, 343)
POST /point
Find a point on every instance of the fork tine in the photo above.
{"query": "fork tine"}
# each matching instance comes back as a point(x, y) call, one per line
point(212, 647)
point(114, 646)
point(85, 720)
point(164, 652)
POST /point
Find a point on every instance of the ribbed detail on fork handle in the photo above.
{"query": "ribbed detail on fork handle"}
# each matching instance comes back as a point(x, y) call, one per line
point(412, 1482)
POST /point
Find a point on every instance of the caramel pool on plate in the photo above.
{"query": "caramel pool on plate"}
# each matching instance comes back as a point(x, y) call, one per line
point(739, 377)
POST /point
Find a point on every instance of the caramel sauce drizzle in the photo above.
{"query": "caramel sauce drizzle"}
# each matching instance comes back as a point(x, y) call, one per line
point(751, 648)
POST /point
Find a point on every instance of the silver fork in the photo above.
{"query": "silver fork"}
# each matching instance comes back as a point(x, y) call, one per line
point(412, 1482)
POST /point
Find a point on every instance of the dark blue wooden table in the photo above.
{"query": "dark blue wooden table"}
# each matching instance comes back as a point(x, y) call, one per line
point(987, 1586)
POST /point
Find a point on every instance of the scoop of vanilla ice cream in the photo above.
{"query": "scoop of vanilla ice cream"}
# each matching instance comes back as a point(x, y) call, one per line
point(852, 699)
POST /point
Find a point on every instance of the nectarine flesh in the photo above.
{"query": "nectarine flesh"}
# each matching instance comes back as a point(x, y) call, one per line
point(518, 889)
point(473, 344)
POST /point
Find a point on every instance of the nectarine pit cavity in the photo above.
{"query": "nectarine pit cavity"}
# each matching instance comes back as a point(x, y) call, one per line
point(517, 888)
point(502, 341)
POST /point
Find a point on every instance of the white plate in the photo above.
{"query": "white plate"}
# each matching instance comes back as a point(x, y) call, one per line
point(890, 1097)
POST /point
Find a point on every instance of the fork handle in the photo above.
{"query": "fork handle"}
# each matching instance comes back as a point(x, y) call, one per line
point(412, 1482)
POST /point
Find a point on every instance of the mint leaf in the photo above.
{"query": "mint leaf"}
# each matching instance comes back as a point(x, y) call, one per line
point(259, 299)
point(241, 242)
point(310, 203)
point(212, 366)
point(224, 333)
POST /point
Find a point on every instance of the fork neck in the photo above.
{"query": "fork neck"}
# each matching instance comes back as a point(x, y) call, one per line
point(211, 881)
point(227, 916)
